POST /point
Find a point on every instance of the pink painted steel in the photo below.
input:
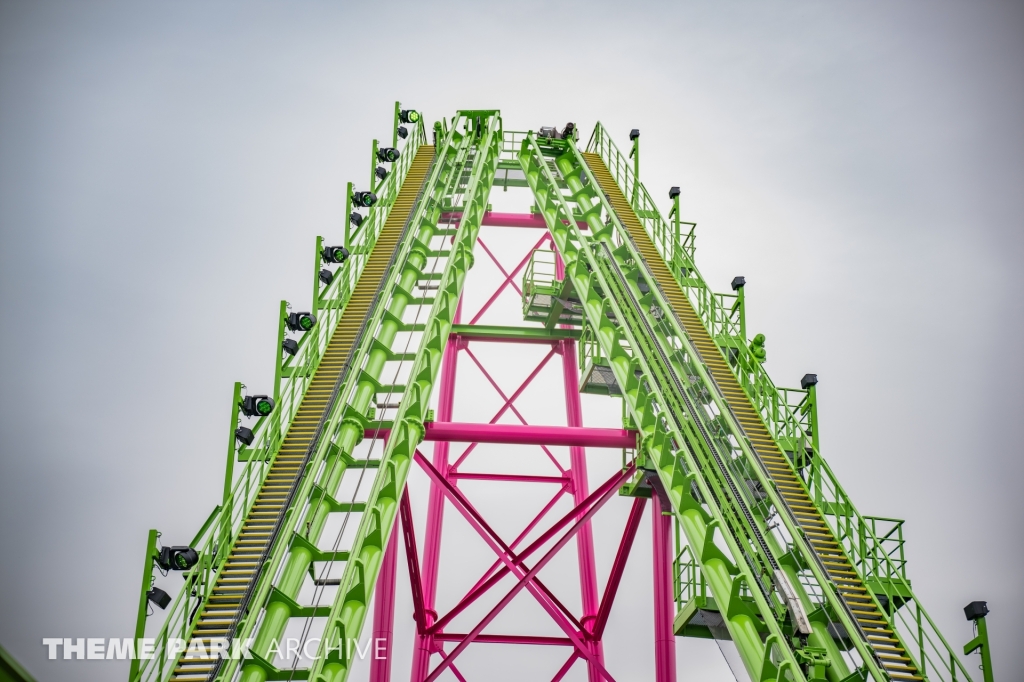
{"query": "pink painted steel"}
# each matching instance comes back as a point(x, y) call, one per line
point(435, 511)
point(509, 277)
point(528, 434)
point(523, 434)
point(456, 497)
point(582, 634)
point(496, 219)
point(518, 478)
point(519, 538)
point(585, 538)
point(507, 639)
point(664, 612)
point(558, 612)
point(526, 580)
point(468, 334)
point(563, 671)
point(619, 565)
point(510, 403)
point(413, 559)
point(384, 612)
point(501, 268)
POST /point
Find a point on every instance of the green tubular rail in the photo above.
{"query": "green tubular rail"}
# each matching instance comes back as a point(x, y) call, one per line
point(667, 436)
point(217, 536)
point(728, 457)
point(732, 465)
point(344, 622)
point(348, 421)
point(868, 553)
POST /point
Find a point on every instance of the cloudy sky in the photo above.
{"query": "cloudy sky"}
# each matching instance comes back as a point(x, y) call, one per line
point(166, 166)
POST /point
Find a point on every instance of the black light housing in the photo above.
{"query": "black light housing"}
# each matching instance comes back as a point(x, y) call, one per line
point(633, 134)
point(738, 282)
point(976, 610)
point(290, 346)
point(177, 558)
point(388, 154)
point(673, 192)
point(326, 276)
point(300, 322)
point(257, 405)
point(244, 435)
point(568, 130)
point(808, 380)
point(381, 172)
point(356, 219)
point(403, 132)
point(409, 116)
point(158, 597)
point(364, 199)
point(334, 254)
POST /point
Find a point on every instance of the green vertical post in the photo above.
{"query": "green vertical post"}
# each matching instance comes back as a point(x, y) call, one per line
point(812, 399)
point(809, 383)
point(634, 137)
point(373, 165)
point(739, 286)
point(147, 580)
point(280, 345)
point(316, 274)
point(977, 611)
point(673, 215)
point(348, 212)
point(229, 469)
point(394, 128)
point(742, 303)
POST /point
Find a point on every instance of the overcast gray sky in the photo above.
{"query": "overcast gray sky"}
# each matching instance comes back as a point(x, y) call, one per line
point(166, 166)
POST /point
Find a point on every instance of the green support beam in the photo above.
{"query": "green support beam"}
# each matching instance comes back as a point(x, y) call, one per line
point(665, 445)
point(11, 670)
point(349, 609)
point(147, 583)
point(744, 540)
point(478, 146)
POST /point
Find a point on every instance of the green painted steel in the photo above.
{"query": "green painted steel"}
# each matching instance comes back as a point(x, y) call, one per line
point(980, 644)
point(667, 433)
point(147, 583)
point(482, 138)
point(11, 670)
point(748, 555)
point(349, 418)
point(875, 554)
point(296, 373)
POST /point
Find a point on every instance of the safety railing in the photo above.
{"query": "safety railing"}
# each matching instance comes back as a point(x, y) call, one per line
point(511, 141)
point(870, 555)
point(215, 540)
point(688, 581)
point(539, 279)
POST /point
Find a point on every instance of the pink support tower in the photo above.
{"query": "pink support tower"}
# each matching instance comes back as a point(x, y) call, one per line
point(438, 644)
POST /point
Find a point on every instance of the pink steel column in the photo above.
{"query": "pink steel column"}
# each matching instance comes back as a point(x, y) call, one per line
point(435, 508)
point(384, 612)
point(664, 616)
point(578, 474)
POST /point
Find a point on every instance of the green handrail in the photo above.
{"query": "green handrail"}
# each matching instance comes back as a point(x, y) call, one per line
point(857, 534)
point(215, 540)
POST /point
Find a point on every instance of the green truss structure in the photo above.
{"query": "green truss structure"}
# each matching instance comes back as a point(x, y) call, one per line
point(771, 551)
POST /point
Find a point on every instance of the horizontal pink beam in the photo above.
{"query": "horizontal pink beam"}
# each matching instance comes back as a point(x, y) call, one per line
point(517, 478)
point(495, 219)
point(524, 434)
point(506, 639)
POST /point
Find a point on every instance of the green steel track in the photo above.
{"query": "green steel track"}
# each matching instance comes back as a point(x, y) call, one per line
point(805, 586)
